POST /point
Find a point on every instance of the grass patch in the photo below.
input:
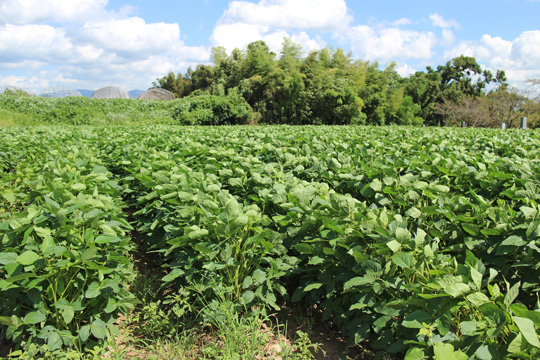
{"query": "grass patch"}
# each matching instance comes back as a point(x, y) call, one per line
point(7, 118)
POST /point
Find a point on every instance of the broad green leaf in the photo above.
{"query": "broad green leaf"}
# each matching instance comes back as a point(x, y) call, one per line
point(456, 290)
point(84, 333)
point(444, 322)
point(513, 241)
point(493, 314)
point(522, 311)
point(494, 291)
point(528, 212)
point(8, 258)
point(512, 294)
point(478, 298)
point(304, 248)
point(488, 352)
point(533, 230)
point(477, 278)
point(468, 328)
point(414, 354)
point(332, 225)
point(54, 342)
point(47, 246)
point(517, 345)
point(34, 317)
point(111, 305)
point(78, 187)
point(413, 212)
point(357, 281)
point(376, 185)
point(232, 210)
point(9, 196)
point(259, 276)
point(27, 258)
point(68, 314)
point(420, 238)
point(316, 260)
point(239, 222)
point(215, 266)
point(93, 290)
point(444, 351)
point(415, 320)
point(248, 281)
point(202, 248)
point(394, 245)
point(471, 228)
point(89, 254)
point(22, 276)
point(42, 232)
point(99, 329)
point(107, 239)
point(403, 235)
point(247, 297)
point(8, 321)
point(313, 286)
point(403, 259)
point(526, 327)
point(173, 275)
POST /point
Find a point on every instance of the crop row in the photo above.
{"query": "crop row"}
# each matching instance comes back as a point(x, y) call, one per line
point(420, 241)
point(65, 248)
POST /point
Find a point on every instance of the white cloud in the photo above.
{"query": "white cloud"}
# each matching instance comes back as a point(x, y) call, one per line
point(405, 70)
point(239, 35)
point(132, 36)
point(438, 20)
point(33, 42)
point(320, 15)
point(41, 11)
point(308, 44)
point(391, 43)
point(30, 84)
point(123, 51)
point(526, 50)
point(448, 37)
point(401, 22)
point(520, 58)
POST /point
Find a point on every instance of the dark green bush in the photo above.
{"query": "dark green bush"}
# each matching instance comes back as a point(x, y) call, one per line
point(194, 110)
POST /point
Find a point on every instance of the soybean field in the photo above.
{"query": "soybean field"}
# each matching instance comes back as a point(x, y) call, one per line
point(414, 242)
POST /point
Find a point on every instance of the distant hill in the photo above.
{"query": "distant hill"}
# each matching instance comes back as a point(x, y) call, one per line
point(87, 93)
point(132, 93)
point(135, 93)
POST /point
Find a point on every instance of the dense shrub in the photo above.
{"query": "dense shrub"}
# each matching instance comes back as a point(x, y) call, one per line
point(193, 110)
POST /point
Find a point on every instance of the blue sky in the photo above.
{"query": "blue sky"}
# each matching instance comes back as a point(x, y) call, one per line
point(129, 43)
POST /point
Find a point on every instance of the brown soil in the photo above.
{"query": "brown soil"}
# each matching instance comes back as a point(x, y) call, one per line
point(331, 344)
point(5, 348)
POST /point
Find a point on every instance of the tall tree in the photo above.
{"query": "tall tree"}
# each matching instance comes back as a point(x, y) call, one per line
point(176, 84)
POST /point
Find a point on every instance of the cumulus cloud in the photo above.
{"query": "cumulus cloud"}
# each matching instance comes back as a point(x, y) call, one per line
point(58, 41)
point(320, 15)
point(405, 70)
point(391, 43)
point(22, 12)
point(30, 84)
point(402, 21)
point(519, 57)
point(448, 37)
point(33, 42)
point(438, 20)
point(273, 20)
point(81, 42)
point(239, 35)
point(132, 36)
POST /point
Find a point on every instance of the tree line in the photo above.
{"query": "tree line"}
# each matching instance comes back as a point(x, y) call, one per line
point(329, 87)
